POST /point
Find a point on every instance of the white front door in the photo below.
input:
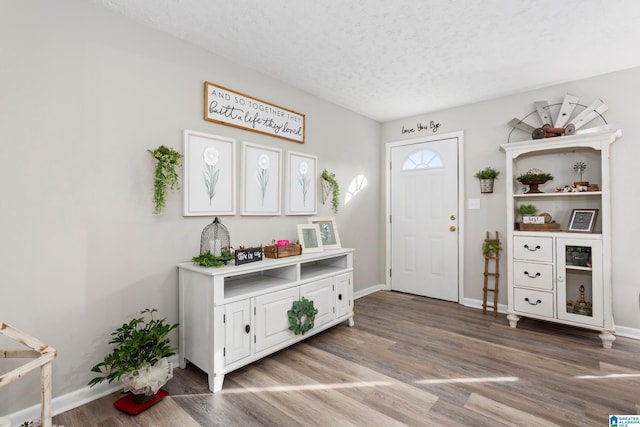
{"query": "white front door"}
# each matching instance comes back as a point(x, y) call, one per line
point(424, 217)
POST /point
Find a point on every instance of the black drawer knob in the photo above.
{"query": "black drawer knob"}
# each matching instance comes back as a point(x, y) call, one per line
point(247, 328)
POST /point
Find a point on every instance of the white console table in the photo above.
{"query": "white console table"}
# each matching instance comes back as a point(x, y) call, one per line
point(235, 315)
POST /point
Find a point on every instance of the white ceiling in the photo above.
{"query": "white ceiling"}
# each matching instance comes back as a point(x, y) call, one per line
point(391, 59)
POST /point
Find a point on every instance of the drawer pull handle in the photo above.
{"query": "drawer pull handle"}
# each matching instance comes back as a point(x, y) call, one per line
point(532, 250)
point(247, 328)
point(533, 303)
point(533, 277)
point(340, 297)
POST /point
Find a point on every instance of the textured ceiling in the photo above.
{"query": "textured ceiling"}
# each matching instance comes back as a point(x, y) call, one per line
point(392, 59)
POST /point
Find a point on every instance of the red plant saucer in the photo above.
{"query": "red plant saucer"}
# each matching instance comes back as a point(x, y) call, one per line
point(126, 404)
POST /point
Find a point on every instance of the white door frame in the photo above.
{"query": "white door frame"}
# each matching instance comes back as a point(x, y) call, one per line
point(428, 138)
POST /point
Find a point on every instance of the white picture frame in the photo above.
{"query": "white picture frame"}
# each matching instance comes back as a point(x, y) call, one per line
point(209, 174)
point(328, 231)
point(300, 182)
point(310, 238)
point(261, 174)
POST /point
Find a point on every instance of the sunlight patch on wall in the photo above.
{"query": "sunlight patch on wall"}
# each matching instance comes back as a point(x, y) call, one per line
point(357, 184)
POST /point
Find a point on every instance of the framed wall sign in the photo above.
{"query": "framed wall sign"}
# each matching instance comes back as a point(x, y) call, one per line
point(328, 232)
point(209, 174)
point(231, 108)
point(583, 220)
point(260, 179)
point(301, 184)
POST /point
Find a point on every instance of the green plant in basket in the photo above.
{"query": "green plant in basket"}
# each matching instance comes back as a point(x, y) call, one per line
point(487, 173)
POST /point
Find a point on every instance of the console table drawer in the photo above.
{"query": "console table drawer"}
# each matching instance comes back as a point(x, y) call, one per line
point(530, 248)
point(533, 275)
point(533, 302)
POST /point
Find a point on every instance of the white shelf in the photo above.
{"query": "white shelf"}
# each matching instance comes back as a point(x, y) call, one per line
point(559, 194)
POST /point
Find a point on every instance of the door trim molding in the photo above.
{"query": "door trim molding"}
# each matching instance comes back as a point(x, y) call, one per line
point(388, 146)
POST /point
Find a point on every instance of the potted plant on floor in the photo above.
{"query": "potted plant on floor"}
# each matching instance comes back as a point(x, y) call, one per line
point(139, 359)
point(487, 176)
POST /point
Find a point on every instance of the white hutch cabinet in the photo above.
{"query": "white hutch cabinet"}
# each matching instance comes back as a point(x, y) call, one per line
point(234, 315)
point(561, 276)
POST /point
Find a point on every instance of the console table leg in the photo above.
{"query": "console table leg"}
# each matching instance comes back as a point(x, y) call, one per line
point(513, 320)
point(607, 339)
point(351, 322)
point(215, 382)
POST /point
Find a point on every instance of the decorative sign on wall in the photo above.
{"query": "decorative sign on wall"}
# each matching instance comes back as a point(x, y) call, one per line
point(235, 109)
point(432, 126)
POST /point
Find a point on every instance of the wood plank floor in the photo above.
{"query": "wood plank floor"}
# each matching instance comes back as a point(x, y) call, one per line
point(408, 361)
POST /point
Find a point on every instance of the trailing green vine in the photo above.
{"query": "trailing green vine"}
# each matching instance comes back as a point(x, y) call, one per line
point(168, 161)
point(301, 316)
point(335, 189)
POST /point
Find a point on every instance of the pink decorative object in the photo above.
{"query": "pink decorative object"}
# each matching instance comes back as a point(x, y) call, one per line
point(283, 243)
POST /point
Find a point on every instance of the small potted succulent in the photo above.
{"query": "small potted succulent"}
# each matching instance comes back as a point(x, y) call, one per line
point(533, 178)
point(139, 359)
point(487, 176)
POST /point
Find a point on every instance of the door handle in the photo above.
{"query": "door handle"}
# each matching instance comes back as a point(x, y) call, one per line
point(452, 217)
point(452, 228)
point(247, 328)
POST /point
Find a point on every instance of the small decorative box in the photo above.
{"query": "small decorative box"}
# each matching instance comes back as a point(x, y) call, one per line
point(275, 251)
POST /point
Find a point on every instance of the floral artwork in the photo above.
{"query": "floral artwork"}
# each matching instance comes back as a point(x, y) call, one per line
point(301, 183)
point(261, 179)
point(303, 180)
point(262, 174)
point(211, 172)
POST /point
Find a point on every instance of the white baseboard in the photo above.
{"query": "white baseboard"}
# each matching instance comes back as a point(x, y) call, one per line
point(476, 303)
point(623, 331)
point(72, 400)
point(364, 292)
point(65, 402)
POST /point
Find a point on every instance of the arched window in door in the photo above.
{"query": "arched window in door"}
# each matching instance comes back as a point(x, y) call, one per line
point(422, 159)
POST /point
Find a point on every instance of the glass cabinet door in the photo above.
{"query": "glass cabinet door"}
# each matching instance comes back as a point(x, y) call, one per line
point(579, 280)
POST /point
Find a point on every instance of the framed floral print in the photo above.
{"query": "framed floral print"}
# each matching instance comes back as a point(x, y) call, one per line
point(328, 232)
point(301, 184)
point(209, 174)
point(260, 180)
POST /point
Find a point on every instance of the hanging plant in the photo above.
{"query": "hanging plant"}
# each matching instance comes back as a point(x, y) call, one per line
point(168, 161)
point(330, 178)
point(301, 316)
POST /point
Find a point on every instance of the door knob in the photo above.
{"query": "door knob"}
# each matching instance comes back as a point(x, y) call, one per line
point(452, 228)
point(452, 217)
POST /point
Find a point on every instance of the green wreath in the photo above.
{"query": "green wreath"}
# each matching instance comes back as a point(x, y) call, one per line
point(301, 316)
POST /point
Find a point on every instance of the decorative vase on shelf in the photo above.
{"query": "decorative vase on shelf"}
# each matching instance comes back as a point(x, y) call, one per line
point(533, 185)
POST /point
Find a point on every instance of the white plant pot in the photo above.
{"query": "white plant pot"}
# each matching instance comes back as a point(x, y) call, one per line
point(149, 379)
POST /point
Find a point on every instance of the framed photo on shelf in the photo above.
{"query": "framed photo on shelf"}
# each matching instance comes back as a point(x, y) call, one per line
point(309, 237)
point(301, 184)
point(328, 232)
point(260, 179)
point(209, 174)
point(583, 220)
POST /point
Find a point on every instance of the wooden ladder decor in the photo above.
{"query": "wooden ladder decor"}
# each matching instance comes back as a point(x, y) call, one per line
point(495, 275)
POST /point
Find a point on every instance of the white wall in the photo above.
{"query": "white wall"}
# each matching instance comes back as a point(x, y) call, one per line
point(84, 94)
point(485, 129)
